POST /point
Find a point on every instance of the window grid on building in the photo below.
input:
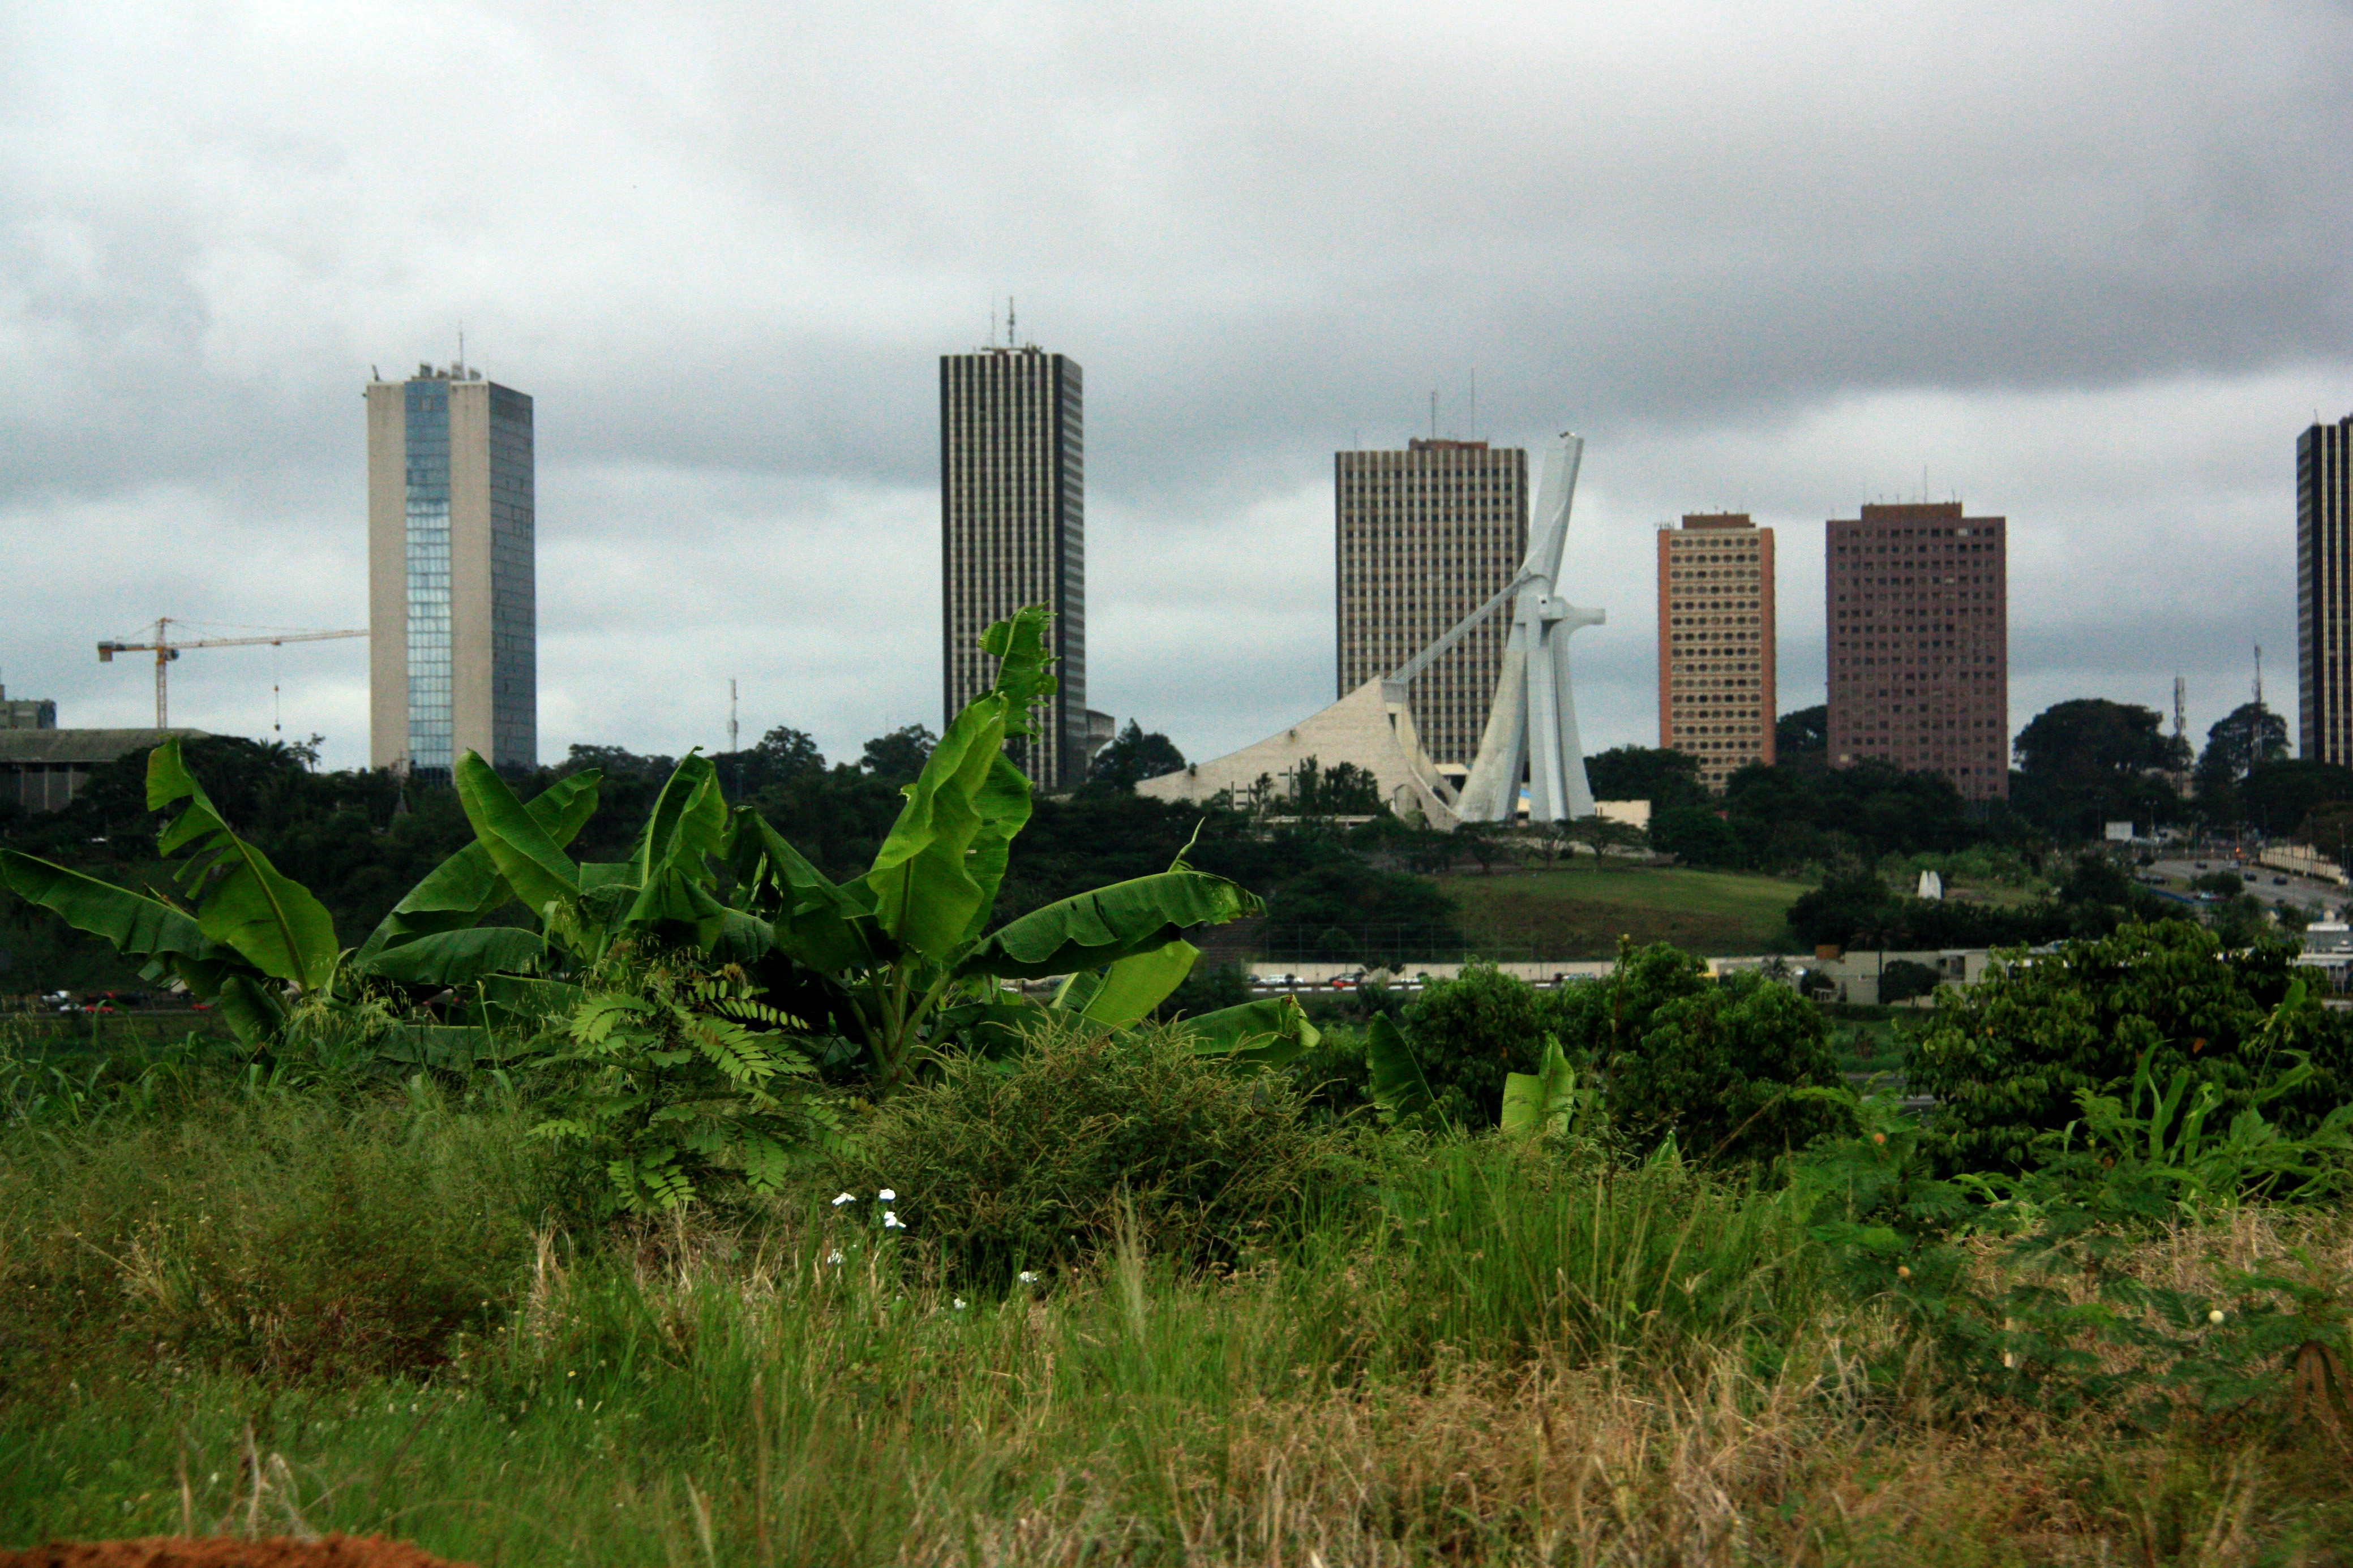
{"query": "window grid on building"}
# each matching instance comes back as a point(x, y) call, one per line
point(1918, 615)
point(1717, 694)
point(1013, 533)
point(2324, 593)
point(1423, 538)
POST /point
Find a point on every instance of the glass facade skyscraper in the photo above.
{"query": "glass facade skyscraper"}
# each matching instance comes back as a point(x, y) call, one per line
point(452, 598)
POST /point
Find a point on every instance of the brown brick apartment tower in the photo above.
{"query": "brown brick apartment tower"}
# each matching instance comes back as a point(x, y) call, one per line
point(1917, 610)
point(1716, 695)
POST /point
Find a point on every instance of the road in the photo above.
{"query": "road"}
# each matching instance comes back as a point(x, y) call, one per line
point(2271, 887)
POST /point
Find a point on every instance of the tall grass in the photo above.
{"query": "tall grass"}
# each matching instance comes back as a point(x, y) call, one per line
point(1489, 1354)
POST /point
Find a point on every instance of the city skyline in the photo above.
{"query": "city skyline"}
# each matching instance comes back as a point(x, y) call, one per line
point(2090, 274)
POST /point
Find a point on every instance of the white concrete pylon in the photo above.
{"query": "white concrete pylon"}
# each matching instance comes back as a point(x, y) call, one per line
point(1531, 723)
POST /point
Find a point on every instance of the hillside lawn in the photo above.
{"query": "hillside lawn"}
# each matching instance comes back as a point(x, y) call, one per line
point(1580, 912)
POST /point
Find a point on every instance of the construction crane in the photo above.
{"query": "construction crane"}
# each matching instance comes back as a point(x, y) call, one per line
point(165, 650)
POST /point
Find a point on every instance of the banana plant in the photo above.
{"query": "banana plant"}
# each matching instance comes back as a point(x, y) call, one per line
point(898, 959)
point(250, 940)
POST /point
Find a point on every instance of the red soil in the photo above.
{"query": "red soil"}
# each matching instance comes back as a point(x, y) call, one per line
point(226, 1551)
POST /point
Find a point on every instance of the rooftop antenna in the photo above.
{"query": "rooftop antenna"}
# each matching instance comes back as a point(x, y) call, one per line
point(2181, 707)
point(731, 714)
point(1012, 335)
point(2259, 675)
point(1433, 414)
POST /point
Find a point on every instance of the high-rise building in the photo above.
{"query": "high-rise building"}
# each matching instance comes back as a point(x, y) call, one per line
point(1424, 537)
point(1716, 695)
point(1917, 609)
point(2324, 593)
point(453, 628)
point(1013, 532)
point(26, 712)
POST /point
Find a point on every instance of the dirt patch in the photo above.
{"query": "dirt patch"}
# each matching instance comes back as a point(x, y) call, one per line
point(226, 1552)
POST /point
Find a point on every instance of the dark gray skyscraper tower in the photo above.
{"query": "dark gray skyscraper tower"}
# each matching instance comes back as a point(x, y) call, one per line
point(452, 623)
point(1013, 533)
point(2324, 593)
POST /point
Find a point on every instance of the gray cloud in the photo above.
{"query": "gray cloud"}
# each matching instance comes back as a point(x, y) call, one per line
point(2086, 263)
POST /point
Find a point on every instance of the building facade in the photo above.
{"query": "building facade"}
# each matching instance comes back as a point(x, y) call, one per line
point(1717, 699)
point(26, 712)
point(1423, 538)
point(1013, 533)
point(2324, 593)
point(1917, 608)
point(42, 767)
point(453, 652)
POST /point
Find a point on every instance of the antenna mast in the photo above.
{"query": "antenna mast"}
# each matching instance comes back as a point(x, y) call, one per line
point(2259, 675)
point(1012, 335)
point(2180, 708)
point(731, 714)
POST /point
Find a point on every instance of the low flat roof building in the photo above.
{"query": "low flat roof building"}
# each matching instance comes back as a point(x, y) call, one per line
point(26, 712)
point(43, 770)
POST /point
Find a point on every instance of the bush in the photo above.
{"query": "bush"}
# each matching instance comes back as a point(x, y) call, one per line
point(1600, 1019)
point(277, 1236)
point(2007, 1058)
point(1468, 1032)
point(1024, 1164)
point(1720, 1070)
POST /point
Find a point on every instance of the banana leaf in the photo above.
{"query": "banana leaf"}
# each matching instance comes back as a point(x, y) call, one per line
point(818, 924)
point(138, 926)
point(1400, 1092)
point(689, 823)
point(1541, 1101)
point(534, 864)
point(936, 875)
point(1127, 990)
point(466, 889)
point(245, 902)
point(1267, 1033)
point(1103, 927)
point(459, 957)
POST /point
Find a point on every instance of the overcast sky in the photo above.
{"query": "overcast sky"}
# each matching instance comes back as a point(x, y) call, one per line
point(2086, 266)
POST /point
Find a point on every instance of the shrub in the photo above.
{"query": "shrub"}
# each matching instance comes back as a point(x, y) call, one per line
point(2007, 1058)
point(1599, 1019)
point(279, 1236)
point(1469, 1033)
point(1722, 1071)
point(1024, 1164)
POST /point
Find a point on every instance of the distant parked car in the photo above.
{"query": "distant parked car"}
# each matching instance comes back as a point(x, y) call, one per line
point(2279, 881)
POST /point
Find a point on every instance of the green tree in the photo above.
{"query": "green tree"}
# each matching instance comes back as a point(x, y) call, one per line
point(2278, 798)
point(1466, 1034)
point(2007, 1056)
point(1697, 837)
point(2241, 740)
point(1802, 733)
point(2089, 761)
point(898, 757)
point(1722, 1069)
point(1664, 778)
point(1134, 757)
point(1904, 979)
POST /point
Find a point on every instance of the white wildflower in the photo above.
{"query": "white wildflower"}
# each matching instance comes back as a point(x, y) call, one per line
point(1028, 1277)
point(891, 1221)
point(887, 1195)
point(959, 1303)
point(842, 1198)
point(2215, 1316)
point(834, 1257)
